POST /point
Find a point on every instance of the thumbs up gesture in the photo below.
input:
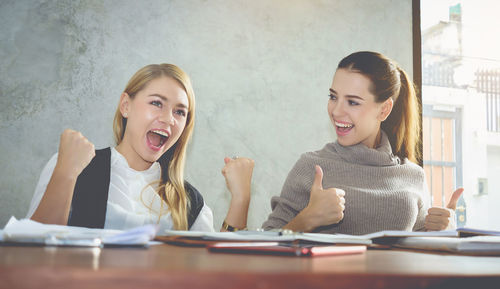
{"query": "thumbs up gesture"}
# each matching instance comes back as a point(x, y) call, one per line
point(326, 206)
point(443, 218)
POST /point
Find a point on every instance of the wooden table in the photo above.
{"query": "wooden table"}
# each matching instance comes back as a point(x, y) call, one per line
point(168, 266)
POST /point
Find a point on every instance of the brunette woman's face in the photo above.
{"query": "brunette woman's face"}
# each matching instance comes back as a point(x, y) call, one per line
point(156, 118)
point(353, 110)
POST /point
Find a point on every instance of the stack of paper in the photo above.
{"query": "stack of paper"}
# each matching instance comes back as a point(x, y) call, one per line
point(478, 245)
point(261, 236)
point(467, 232)
point(434, 240)
point(26, 231)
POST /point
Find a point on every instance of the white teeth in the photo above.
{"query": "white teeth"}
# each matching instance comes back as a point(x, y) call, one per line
point(160, 132)
point(343, 124)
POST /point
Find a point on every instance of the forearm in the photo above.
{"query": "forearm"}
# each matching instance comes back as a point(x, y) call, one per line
point(238, 212)
point(303, 222)
point(55, 204)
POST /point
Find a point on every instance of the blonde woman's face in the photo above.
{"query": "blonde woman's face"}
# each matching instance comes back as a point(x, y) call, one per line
point(156, 118)
point(353, 111)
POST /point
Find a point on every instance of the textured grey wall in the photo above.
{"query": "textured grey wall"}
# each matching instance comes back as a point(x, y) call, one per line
point(261, 72)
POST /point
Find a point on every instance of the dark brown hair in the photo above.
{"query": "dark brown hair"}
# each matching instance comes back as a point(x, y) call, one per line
point(388, 80)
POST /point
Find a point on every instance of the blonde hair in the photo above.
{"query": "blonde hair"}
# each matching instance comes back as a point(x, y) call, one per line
point(171, 189)
point(402, 126)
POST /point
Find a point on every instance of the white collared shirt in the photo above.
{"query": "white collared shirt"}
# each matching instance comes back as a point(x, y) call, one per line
point(132, 198)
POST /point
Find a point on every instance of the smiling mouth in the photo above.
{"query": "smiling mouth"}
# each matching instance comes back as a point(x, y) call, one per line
point(157, 138)
point(343, 127)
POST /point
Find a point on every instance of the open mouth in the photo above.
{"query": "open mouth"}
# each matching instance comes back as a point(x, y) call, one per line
point(157, 138)
point(343, 128)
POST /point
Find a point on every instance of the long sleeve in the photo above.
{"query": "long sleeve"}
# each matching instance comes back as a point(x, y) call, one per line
point(423, 206)
point(43, 181)
point(294, 196)
point(382, 192)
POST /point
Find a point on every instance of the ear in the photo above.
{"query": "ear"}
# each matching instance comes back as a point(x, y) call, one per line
point(125, 104)
point(386, 109)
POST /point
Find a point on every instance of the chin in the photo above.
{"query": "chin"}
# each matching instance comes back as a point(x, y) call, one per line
point(345, 142)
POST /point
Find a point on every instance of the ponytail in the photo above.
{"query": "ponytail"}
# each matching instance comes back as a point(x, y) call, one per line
point(403, 124)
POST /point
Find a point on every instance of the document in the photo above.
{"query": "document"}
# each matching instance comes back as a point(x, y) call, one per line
point(27, 232)
point(466, 232)
point(389, 233)
point(284, 236)
point(259, 236)
point(286, 249)
point(478, 245)
point(433, 240)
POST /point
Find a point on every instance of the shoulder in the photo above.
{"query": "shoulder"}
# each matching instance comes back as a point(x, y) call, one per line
point(41, 186)
point(412, 167)
point(309, 159)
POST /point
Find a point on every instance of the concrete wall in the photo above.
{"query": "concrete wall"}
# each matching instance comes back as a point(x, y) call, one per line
point(261, 72)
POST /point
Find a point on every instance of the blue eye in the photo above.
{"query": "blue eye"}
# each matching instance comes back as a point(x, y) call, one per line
point(181, 112)
point(156, 103)
point(353, 103)
point(332, 97)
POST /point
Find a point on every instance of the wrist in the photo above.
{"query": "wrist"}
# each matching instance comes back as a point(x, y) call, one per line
point(240, 199)
point(229, 228)
point(308, 220)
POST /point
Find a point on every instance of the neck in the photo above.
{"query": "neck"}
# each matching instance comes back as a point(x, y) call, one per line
point(134, 160)
point(377, 140)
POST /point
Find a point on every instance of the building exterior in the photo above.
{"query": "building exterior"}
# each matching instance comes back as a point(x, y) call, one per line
point(461, 116)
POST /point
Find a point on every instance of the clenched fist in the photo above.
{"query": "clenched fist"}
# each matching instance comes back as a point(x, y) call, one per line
point(75, 153)
point(238, 175)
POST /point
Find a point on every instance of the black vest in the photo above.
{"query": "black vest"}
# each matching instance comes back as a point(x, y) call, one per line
point(90, 197)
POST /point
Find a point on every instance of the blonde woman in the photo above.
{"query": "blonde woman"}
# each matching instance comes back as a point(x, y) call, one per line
point(141, 180)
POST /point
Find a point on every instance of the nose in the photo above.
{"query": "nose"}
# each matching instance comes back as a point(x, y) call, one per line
point(337, 109)
point(167, 117)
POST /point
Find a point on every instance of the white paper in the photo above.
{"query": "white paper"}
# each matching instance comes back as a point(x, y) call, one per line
point(29, 231)
point(389, 233)
point(271, 236)
point(478, 244)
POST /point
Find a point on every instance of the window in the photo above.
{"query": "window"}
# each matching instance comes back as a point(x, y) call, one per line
point(442, 156)
point(461, 106)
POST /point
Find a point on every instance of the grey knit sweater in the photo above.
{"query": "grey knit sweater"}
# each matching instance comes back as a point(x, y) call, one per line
point(381, 191)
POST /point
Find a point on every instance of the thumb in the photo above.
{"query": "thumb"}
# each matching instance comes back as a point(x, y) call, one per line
point(318, 178)
point(227, 160)
point(452, 204)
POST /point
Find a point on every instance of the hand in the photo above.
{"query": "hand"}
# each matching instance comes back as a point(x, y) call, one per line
point(238, 175)
point(443, 218)
point(75, 153)
point(326, 206)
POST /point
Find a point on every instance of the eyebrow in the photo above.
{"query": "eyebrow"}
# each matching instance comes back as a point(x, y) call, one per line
point(348, 95)
point(164, 98)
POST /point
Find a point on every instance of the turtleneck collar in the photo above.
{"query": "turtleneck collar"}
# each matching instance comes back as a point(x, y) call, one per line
point(363, 155)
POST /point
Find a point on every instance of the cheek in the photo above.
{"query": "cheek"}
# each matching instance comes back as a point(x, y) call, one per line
point(367, 120)
point(329, 108)
point(180, 125)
